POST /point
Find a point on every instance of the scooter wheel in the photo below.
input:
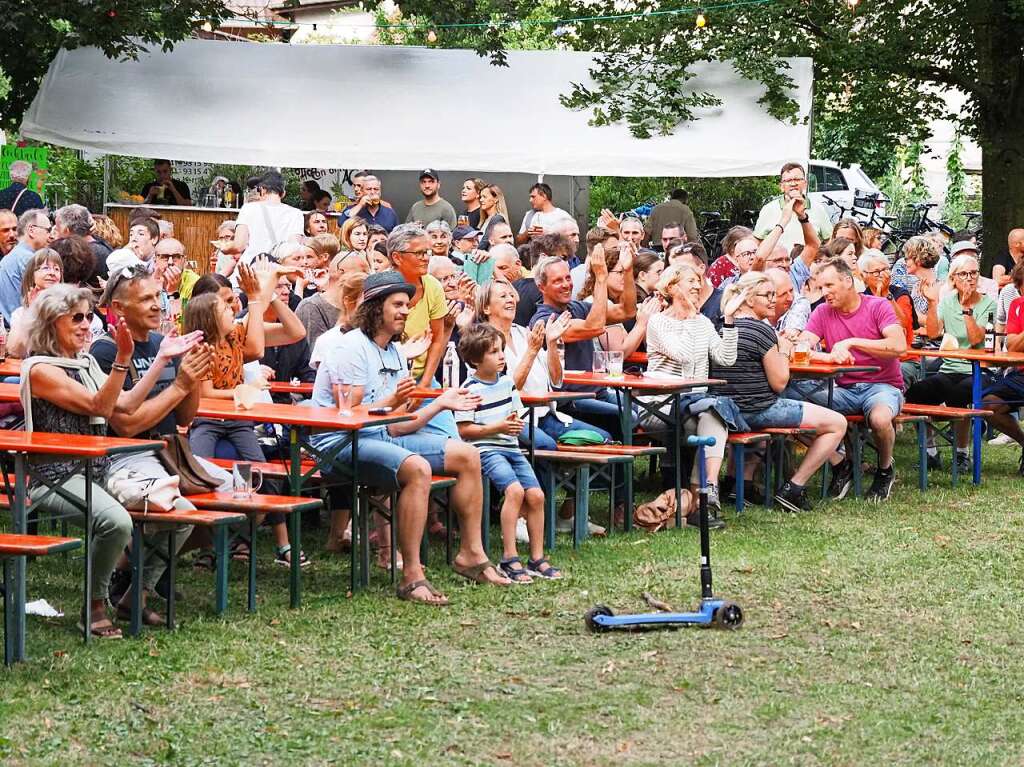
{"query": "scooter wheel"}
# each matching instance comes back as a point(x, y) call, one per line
point(594, 612)
point(729, 616)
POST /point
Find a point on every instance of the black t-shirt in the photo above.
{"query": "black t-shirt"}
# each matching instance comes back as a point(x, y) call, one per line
point(529, 300)
point(105, 350)
point(579, 355)
point(747, 383)
point(712, 308)
point(168, 198)
point(473, 216)
point(1005, 260)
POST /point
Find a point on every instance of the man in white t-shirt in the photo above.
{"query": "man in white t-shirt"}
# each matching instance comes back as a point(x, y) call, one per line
point(542, 216)
point(263, 225)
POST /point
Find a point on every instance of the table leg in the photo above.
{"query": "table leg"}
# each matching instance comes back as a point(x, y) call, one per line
point(251, 602)
point(9, 618)
point(627, 468)
point(978, 421)
point(295, 459)
point(88, 551)
point(15, 586)
point(135, 624)
point(533, 436)
point(677, 456)
point(220, 549)
point(172, 571)
point(295, 538)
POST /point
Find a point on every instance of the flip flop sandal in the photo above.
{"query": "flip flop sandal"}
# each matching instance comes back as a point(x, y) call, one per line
point(535, 567)
point(239, 550)
point(514, 571)
point(150, 617)
point(205, 560)
point(475, 573)
point(96, 629)
point(405, 593)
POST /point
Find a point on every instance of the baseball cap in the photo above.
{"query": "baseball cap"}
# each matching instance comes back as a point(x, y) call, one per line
point(383, 284)
point(429, 173)
point(966, 246)
point(465, 232)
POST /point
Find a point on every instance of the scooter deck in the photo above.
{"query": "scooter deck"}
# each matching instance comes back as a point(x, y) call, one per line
point(717, 613)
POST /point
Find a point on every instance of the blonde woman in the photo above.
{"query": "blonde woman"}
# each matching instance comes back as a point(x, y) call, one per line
point(493, 210)
point(759, 375)
point(682, 342)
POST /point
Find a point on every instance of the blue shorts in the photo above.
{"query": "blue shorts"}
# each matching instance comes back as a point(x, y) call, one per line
point(1009, 388)
point(860, 399)
point(783, 414)
point(506, 467)
point(380, 457)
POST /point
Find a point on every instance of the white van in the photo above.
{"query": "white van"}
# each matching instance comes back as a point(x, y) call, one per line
point(842, 185)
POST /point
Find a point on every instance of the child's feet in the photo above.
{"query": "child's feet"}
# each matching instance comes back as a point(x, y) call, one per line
point(515, 571)
point(541, 568)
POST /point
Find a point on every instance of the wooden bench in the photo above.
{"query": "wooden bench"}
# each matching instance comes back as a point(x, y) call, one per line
point(272, 469)
point(218, 522)
point(580, 462)
point(15, 545)
point(253, 507)
point(944, 414)
point(858, 437)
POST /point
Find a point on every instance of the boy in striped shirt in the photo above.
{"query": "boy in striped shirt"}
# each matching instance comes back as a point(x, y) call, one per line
point(494, 429)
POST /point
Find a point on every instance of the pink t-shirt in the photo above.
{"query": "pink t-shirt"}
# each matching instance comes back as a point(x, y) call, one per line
point(871, 318)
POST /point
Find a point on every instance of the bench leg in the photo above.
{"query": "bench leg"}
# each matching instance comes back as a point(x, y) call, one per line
point(172, 575)
point(295, 539)
point(611, 501)
point(135, 624)
point(550, 508)
point(9, 636)
point(251, 596)
point(220, 548)
point(767, 470)
point(485, 517)
point(922, 457)
point(581, 515)
point(856, 446)
point(14, 579)
point(739, 460)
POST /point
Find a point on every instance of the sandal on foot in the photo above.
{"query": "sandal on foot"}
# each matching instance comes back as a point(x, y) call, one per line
point(514, 570)
point(150, 617)
point(205, 560)
point(536, 568)
point(475, 573)
point(101, 628)
point(405, 593)
point(283, 557)
point(239, 550)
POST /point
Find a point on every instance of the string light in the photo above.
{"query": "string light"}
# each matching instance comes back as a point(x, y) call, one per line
point(701, 21)
point(431, 36)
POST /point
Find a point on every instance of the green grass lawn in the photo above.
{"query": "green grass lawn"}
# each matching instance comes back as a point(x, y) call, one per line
point(874, 635)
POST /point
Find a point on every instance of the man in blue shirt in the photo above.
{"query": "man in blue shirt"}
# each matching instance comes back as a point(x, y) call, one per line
point(370, 207)
point(18, 197)
point(33, 234)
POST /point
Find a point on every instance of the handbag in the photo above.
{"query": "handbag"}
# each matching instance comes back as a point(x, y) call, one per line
point(660, 513)
point(138, 492)
point(177, 458)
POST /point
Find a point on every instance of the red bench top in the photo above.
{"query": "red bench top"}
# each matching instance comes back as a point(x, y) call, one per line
point(14, 544)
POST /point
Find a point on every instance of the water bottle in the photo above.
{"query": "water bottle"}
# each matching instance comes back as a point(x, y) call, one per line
point(990, 333)
point(450, 367)
point(3, 341)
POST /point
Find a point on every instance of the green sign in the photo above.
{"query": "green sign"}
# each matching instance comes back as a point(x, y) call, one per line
point(37, 155)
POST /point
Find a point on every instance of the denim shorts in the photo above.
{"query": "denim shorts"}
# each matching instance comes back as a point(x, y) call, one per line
point(1009, 388)
point(380, 457)
point(862, 398)
point(783, 414)
point(506, 467)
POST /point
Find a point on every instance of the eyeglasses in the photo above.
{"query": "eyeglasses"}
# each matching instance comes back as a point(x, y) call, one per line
point(78, 317)
point(49, 267)
point(417, 253)
point(171, 255)
point(616, 271)
point(766, 296)
point(967, 275)
point(385, 370)
point(877, 272)
point(792, 180)
point(746, 253)
point(44, 228)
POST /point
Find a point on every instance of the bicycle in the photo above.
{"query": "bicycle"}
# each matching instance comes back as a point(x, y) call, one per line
point(713, 229)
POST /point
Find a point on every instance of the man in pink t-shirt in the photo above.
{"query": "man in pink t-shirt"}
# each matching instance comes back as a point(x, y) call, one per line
point(857, 329)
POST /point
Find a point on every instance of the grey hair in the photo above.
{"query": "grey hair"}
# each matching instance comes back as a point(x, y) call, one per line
point(47, 307)
point(402, 235)
point(75, 218)
point(867, 256)
point(28, 218)
point(540, 271)
point(436, 261)
point(499, 250)
point(745, 284)
point(20, 170)
point(286, 249)
point(370, 177)
point(439, 224)
point(958, 262)
point(562, 222)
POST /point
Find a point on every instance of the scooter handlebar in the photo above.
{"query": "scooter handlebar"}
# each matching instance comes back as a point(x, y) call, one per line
point(700, 441)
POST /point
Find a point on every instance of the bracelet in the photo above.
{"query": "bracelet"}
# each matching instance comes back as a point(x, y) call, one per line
point(803, 220)
point(119, 367)
point(781, 227)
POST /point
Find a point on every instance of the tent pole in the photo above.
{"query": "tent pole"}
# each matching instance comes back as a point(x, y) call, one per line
point(106, 181)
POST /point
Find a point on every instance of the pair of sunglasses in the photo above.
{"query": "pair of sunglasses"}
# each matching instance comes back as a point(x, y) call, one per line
point(77, 317)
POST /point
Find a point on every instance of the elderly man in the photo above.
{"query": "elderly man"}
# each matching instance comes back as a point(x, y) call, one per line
point(860, 330)
point(791, 311)
point(632, 230)
point(76, 219)
point(433, 206)
point(507, 263)
point(166, 190)
point(793, 185)
point(370, 207)
point(33, 234)
point(172, 402)
point(8, 232)
point(674, 213)
point(367, 362)
point(1004, 261)
point(17, 197)
point(177, 280)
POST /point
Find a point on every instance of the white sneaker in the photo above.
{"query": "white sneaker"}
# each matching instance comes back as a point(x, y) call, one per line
point(565, 526)
point(1002, 439)
point(522, 536)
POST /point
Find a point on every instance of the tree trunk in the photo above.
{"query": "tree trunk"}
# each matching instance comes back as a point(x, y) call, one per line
point(1002, 193)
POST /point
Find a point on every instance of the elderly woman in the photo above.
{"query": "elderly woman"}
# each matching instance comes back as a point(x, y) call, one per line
point(874, 267)
point(962, 315)
point(682, 342)
point(65, 392)
point(440, 238)
point(760, 374)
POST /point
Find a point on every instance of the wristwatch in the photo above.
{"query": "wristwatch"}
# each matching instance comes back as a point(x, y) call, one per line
point(804, 219)
point(968, 313)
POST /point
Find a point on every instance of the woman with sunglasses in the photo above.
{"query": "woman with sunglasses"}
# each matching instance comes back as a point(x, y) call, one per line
point(759, 375)
point(961, 315)
point(66, 392)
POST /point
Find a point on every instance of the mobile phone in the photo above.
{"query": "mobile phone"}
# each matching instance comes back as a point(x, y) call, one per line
point(379, 410)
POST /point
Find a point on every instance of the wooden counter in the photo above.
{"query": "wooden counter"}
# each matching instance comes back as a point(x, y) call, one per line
point(195, 227)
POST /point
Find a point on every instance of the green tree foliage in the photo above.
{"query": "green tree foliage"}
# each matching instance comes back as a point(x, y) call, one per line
point(729, 196)
point(35, 31)
point(956, 192)
point(879, 67)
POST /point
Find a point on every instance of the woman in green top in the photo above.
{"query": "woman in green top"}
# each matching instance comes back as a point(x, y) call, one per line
point(962, 314)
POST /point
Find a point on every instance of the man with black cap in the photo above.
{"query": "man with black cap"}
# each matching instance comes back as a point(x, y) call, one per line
point(370, 369)
point(432, 207)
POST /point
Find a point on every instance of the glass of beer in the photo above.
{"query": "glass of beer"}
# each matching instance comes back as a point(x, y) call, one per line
point(462, 221)
point(614, 364)
point(801, 354)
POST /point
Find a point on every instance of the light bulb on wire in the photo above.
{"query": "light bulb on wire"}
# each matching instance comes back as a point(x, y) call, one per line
point(701, 21)
point(431, 36)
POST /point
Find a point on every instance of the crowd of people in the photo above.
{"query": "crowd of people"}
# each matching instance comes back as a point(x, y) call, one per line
point(126, 334)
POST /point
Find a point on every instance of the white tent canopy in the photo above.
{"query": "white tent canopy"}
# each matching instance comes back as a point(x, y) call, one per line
point(338, 106)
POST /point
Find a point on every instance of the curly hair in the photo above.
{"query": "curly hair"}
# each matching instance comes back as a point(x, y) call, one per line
point(49, 306)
